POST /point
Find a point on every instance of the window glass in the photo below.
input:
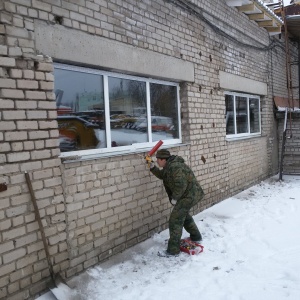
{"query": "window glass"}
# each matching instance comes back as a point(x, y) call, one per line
point(229, 102)
point(254, 115)
point(128, 111)
point(80, 110)
point(138, 110)
point(241, 115)
point(164, 112)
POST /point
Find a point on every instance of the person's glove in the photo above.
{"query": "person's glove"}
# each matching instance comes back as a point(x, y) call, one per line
point(149, 162)
point(173, 201)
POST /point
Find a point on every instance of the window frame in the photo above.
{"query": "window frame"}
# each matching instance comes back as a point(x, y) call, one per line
point(247, 134)
point(138, 147)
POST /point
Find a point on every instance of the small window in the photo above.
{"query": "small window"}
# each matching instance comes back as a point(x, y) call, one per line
point(104, 112)
point(242, 115)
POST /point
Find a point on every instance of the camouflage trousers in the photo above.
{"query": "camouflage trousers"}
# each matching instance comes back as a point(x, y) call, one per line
point(179, 219)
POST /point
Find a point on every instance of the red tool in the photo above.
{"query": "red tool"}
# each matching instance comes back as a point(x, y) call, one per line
point(152, 151)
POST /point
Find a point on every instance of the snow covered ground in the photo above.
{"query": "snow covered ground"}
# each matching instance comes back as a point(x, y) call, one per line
point(251, 252)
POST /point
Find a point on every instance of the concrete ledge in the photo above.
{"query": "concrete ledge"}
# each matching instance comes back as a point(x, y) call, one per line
point(241, 84)
point(69, 45)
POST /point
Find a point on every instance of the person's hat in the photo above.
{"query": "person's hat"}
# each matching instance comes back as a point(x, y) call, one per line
point(163, 153)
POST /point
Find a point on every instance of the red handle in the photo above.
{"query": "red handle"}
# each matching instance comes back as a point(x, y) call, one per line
point(153, 150)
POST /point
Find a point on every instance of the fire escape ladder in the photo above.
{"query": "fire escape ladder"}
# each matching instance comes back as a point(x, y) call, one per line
point(289, 158)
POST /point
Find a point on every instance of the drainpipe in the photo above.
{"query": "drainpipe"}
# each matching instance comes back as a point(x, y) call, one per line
point(299, 71)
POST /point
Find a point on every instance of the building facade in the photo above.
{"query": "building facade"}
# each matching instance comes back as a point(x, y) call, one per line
point(87, 88)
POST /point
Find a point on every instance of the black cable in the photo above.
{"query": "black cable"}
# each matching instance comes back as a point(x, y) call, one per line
point(198, 12)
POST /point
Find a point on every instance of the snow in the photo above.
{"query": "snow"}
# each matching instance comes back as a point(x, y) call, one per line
point(251, 251)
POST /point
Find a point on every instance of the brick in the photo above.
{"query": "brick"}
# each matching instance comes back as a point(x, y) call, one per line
point(34, 135)
point(5, 247)
point(17, 146)
point(26, 105)
point(15, 157)
point(5, 147)
point(4, 281)
point(37, 114)
point(15, 211)
point(40, 75)
point(28, 74)
point(6, 269)
point(6, 104)
point(18, 274)
point(18, 221)
point(17, 32)
point(47, 124)
point(39, 144)
point(13, 255)
point(13, 115)
point(3, 50)
point(77, 17)
point(13, 287)
point(13, 233)
point(49, 77)
point(7, 83)
point(41, 6)
point(7, 125)
point(35, 95)
point(18, 296)
point(26, 261)
point(27, 125)
point(58, 238)
point(46, 67)
point(7, 61)
point(11, 93)
point(45, 85)
point(47, 105)
point(27, 84)
point(40, 154)
point(15, 73)
point(15, 51)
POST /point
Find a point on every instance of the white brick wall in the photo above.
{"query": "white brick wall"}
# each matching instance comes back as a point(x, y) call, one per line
point(94, 209)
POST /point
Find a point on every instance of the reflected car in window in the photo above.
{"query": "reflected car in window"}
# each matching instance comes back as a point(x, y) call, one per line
point(158, 123)
point(76, 133)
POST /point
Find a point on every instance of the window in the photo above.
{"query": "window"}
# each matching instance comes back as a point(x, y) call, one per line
point(104, 112)
point(242, 115)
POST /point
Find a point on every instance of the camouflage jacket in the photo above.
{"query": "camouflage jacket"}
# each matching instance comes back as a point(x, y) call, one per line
point(179, 180)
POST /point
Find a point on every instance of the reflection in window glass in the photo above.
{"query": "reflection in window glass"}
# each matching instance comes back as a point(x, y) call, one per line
point(254, 115)
point(98, 109)
point(128, 111)
point(230, 129)
point(164, 112)
point(80, 110)
point(241, 115)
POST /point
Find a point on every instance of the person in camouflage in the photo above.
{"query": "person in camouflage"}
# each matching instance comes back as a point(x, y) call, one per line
point(183, 191)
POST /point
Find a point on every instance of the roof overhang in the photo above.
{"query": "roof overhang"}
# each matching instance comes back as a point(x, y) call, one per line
point(282, 103)
point(256, 10)
point(293, 25)
point(292, 19)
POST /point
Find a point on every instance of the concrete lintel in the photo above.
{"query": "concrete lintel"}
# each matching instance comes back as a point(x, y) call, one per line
point(242, 84)
point(69, 45)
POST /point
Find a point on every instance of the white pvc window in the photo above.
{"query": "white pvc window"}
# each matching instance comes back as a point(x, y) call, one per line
point(242, 114)
point(101, 112)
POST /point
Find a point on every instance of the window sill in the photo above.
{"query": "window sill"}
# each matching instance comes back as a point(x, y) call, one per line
point(65, 158)
point(245, 137)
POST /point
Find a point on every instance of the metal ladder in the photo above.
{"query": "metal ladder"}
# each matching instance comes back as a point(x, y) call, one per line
point(290, 149)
